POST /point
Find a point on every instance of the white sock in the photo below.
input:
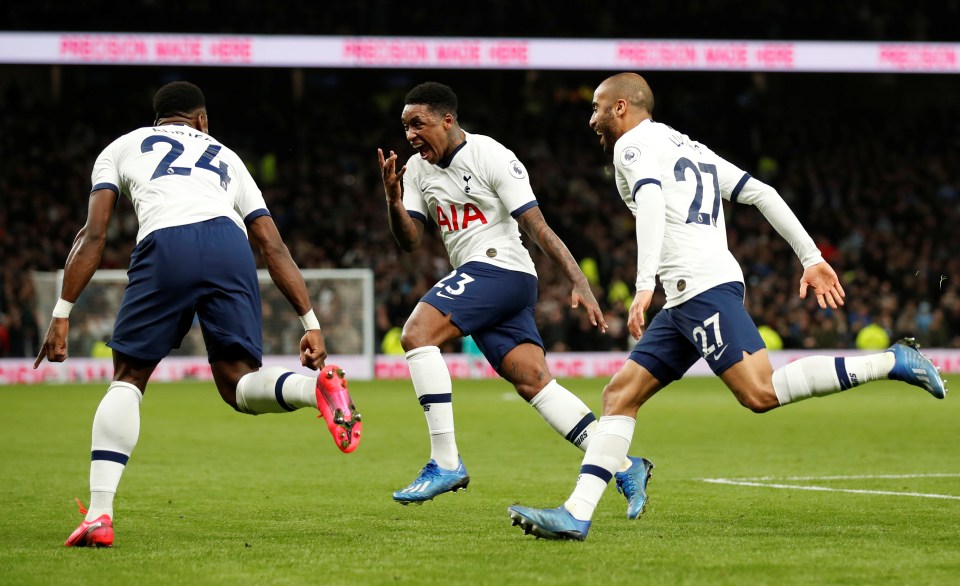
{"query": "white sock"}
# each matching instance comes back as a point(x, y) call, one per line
point(116, 428)
point(275, 390)
point(431, 381)
point(818, 376)
point(607, 451)
point(569, 416)
point(565, 413)
point(863, 369)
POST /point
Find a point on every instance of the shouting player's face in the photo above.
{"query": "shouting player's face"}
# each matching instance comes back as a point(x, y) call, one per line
point(427, 132)
point(603, 122)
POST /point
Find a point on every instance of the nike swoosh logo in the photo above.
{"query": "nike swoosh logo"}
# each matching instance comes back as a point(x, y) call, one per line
point(720, 353)
point(439, 294)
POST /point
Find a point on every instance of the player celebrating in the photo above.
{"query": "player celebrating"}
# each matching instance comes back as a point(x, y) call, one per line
point(195, 203)
point(477, 193)
point(673, 186)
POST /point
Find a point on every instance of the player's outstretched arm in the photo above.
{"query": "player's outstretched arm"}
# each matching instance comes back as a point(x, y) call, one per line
point(535, 226)
point(82, 262)
point(405, 229)
point(825, 283)
point(286, 275)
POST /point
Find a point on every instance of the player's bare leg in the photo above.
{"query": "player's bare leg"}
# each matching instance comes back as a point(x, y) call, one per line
point(525, 367)
point(628, 390)
point(228, 373)
point(751, 382)
point(427, 326)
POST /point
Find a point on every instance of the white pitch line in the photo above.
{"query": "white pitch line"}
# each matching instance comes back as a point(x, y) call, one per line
point(828, 489)
point(854, 477)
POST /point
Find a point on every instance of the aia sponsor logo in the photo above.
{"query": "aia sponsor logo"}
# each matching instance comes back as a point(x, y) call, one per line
point(453, 218)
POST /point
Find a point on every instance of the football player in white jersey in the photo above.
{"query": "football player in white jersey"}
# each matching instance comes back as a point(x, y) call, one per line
point(477, 192)
point(673, 186)
point(196, 204)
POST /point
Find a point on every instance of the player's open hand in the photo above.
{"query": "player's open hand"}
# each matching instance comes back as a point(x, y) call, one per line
point(313, 350)
point(582, 295)
point(822, 278)
point(55, 345)
point(392, 179)
point(637, 321)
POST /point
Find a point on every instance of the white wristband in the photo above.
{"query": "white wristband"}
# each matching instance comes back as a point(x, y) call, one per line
point(62, 308)
point(309, 321)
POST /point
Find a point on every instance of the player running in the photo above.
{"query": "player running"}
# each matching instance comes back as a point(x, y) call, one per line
point(478, 193)
point(673, 186)
point(199, 211)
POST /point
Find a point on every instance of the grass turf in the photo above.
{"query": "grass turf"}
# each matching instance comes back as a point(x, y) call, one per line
point(215, 497)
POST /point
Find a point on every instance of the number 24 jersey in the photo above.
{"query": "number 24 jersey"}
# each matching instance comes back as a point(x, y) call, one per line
point(176, 175)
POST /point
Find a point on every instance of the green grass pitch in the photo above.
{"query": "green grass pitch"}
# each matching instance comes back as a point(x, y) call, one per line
point(215, 497)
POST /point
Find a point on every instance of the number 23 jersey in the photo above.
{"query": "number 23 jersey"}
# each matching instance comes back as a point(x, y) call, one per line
point(176, 175)
point(474, 197)
point(694, 256)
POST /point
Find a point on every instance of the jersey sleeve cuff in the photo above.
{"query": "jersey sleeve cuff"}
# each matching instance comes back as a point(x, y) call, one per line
point(111, 187)
point(641, 183)
point(517, 212)
point(254, 215)
point(417, 216)
point(645, 285)
point(809, 261)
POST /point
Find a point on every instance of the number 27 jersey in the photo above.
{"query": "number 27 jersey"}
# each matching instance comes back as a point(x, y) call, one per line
point(694, 255)
point(176, 175)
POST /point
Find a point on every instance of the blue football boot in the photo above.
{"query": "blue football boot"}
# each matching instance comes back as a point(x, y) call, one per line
point(549, 523)
point(632, 483)
point(914, 368)
point(432, 481)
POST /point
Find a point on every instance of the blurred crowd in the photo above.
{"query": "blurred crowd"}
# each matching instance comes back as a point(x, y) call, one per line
point(868, 163)
point(932, 20)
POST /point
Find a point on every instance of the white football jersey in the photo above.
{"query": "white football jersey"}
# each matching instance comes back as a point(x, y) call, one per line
point(694, 256)
point(175, 175)
point(474, 198)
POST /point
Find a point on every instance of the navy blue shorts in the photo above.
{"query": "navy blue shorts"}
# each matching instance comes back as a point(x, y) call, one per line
point(204, 269)
point(714, 326)
point(496, 306)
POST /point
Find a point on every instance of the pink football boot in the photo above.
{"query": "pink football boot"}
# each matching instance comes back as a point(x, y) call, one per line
point(337, 408)
point(96, 533)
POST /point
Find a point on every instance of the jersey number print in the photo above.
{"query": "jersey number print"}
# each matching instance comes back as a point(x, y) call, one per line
point(702, 335)
point(695, 215)
point(465, 280)
point(176, 149)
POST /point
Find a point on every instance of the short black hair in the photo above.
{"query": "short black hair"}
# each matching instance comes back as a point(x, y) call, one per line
point(179, 98)
point(438, 97)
